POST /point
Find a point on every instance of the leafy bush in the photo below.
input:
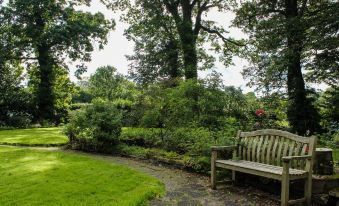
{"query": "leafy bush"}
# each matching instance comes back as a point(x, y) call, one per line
point(19, 120)
point(96, 124)
point(192, 141)
point(146, 137)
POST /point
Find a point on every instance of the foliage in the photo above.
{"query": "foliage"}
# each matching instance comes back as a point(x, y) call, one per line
point(82, 93)
point(193, 141)
point(145, 137)
point(170, 36)
point(50, 177)
point(34, 136)
point(104, 83)
point(15, 101)
point(98, 123)
point(328, 103)
point(107, 84)
point(43, 34)
point(285, 37)
point(63, 88)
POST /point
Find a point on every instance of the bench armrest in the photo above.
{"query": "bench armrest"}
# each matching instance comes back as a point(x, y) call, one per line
point(303, 157)
point(223, 148)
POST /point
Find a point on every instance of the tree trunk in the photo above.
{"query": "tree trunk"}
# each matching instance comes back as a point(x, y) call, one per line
point(188, 41)
point(190, 55)
point(45, 96)
point(173, 59)
point(300, 110)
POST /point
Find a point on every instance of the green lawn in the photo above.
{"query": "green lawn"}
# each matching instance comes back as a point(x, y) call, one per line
point(41, 177)
point(35, 136)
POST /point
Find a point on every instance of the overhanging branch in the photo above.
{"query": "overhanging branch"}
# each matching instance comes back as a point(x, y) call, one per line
point(224, 39)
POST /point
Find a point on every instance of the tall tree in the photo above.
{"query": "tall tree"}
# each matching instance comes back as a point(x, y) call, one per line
point(181, 23)
point(45, 33)
point(283, 42)
point(157, 48)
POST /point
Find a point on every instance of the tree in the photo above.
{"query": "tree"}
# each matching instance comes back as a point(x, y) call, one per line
point(329, 108)
point(283, 41)
point(157, 47)
point(47, 32)
point(15, 101)
point(172, 25)
point(63, 89)
point(104, 83)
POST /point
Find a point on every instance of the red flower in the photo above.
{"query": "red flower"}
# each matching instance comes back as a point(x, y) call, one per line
point(307, 149)
point(259, 112)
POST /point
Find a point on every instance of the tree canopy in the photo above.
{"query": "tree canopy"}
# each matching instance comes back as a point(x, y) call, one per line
point(170, 36)
point(284, 44)
point(45, 33)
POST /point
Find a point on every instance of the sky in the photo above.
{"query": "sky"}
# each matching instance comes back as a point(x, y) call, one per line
point(118, 47)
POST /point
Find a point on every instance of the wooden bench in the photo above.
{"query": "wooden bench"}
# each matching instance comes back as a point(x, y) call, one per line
point(273, 154)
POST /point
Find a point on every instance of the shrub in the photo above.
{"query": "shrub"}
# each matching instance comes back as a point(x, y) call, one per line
point(19, 120)
point(94, 126)
point(146, 137)
point(195, 141)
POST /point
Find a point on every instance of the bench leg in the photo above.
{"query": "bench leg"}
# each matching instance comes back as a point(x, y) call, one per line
point(213, 170)
point(308, 190)
point(285, 190)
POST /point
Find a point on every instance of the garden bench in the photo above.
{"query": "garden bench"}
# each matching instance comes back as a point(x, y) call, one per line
point(272, 154)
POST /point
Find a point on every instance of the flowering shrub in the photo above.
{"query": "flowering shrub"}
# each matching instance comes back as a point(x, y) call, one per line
point(259, 112)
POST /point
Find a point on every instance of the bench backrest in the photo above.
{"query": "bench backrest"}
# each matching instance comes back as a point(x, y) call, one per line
point(269, 146)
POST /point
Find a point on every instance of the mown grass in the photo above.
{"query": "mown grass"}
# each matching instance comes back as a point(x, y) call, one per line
point(35, 136)
point(41, 177)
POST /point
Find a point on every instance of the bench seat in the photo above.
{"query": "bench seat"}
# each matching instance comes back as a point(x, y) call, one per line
point(260, 169)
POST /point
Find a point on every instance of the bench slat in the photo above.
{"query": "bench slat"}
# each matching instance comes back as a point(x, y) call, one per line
point(276, 133)
point(259, 148)
point(263, 151)
point(269, 150)
point(249, 149)
point(274, 150)
point(286, 146)
point(260, 167)
point(254, 148)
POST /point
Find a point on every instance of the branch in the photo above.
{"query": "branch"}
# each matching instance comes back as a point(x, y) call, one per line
point(194, 2)
point(201, 9)
point(276, 11)
point(172, 7)
point(224, 39)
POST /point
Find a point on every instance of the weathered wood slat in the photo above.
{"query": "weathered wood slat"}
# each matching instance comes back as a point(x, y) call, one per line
point(264, 149)
point(240, 148)
point(286, 146)
point(261, 139)
point(274, 150)
point(281, 145)
point(254, 147)
point(244, 150)
point(276, 133)
point(297, 152)
point(303, 152)
point(269, 150)
point(249, 148)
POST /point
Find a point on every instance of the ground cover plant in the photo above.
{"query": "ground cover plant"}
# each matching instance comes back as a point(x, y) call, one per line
point(33, 136)
point(41, 177)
